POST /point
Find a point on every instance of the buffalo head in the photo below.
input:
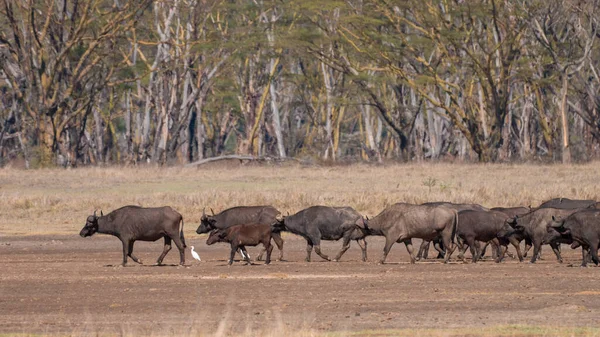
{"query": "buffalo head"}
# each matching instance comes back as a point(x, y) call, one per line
point(207, 223)
point(556, 230)
point(91, 225)
point(506, 230)
point(279, 224)
point(217, 235)
point(514, 224)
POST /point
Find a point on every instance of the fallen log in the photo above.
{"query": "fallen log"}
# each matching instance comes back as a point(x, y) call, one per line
point(241, 158)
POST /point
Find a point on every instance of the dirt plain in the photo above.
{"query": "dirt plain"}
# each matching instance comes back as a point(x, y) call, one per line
point(67, 285)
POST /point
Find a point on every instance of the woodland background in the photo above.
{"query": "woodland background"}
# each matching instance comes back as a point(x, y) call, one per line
point(88, 82)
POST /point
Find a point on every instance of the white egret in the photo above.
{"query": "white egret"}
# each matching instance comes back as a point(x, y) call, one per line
point(195, 255)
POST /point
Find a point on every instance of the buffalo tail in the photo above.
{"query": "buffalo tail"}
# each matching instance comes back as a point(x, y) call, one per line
point(455, 227)
point(181, 234)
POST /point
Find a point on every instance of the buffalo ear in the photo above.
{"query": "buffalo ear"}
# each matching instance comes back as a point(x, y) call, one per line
point(361, 222)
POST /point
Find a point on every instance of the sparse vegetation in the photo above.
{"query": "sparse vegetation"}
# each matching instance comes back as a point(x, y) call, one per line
point(57, 201)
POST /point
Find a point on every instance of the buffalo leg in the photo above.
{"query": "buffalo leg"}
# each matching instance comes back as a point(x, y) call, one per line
point(126, 244)
point(423, 250)
point(386, 249)
point(345, 246)
point(482, 251)
point(363, 246)
point(594, 251)
point(556, 249)
point(448, 245)
point(166, 249)
point(474, 253)
point(309, 247)
point(269, 249)
point(528, 245)
point(411, 250)
point(439, 248)
point(279, 242)
point(234, 249)
point(244, 253)
point(246, 258)
point(181, 248)
point(461, 248)
point(318, 250)
point(536, 250)
point(130, 253)
point(584, 255)
point(515, 244)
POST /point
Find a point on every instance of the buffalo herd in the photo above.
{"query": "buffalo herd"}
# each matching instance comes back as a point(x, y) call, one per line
point(447, 225)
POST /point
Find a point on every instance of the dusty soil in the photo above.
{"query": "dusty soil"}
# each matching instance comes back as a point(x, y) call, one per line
point(60, 284)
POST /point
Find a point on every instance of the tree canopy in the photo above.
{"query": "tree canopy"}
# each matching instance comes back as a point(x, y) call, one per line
point(85, 82)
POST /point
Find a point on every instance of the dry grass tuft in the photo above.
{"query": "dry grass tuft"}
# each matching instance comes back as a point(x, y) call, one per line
point(57, 201)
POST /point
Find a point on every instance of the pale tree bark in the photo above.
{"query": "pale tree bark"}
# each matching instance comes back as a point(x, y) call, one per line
point(273, 94)
point(564, 125)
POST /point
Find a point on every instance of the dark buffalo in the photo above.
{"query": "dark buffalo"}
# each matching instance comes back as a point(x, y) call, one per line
point(318, 223)
point(437, 242)
point(482, 226)
point(240, 236)
point(502, 244)
point(401, 222)
point(239, 216)
point(534, 225)
point(132, 223)
point(583, 227)
point(564, 203)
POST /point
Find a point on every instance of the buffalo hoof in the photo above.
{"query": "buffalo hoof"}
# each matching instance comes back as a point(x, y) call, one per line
point(560, 261)
point(335, 260)
point(531, 262)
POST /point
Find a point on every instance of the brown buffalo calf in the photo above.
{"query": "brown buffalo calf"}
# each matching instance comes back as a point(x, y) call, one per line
point(241, 236)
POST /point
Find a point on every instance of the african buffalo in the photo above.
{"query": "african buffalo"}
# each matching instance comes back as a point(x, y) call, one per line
point(564, 203)
point(242, 215)
point(534, 226)
point(500, 246)
point(240, 236)
point(583, 227)
point(437, 242)
point(131, 223)
point(476, 226)
point(401, 222)
point(318, 223)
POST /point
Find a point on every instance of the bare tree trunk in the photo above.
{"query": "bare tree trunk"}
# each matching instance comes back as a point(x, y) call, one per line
point(98, 133)
point(327, 78)
point(566, 150)
point(276, 118)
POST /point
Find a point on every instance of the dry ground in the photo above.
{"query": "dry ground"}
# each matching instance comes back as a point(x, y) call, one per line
point(53, 282)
